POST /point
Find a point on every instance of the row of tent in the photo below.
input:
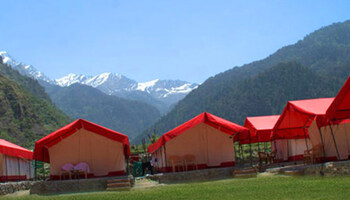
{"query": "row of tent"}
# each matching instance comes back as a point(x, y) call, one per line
point(209, 139)
point(314, 125)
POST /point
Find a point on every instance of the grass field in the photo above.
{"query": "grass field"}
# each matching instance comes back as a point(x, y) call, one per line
point(274, 187)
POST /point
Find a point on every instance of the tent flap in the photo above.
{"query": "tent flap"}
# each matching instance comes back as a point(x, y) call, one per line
point(340, 108)
point(297, 116)
point(14, 150)
point(260, 129)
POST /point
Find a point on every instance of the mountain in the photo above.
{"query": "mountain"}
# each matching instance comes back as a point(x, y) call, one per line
point(123, 115)
point(78, 100)
point(27, 70)
point(26, 112)
point(160, 93)
point(326, 52)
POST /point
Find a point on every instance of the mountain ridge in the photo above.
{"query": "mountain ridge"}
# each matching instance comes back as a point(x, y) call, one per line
point(123, 115)
point(325, 51)
point(160, 93)
point(26, 112)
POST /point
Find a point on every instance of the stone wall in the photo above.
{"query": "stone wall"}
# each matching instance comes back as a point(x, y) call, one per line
point(339, 168)
point(11, 187)
point(74, 185)
point(195, 175)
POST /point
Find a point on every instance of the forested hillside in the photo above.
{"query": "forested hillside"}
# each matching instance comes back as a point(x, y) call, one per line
point(233, 94)
point(81, 101)
point(26, 112)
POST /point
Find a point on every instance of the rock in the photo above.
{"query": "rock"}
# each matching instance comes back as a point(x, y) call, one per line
point(11, 187)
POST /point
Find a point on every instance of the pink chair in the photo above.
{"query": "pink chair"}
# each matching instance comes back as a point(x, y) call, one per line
point(176, 162)
point(67, 170)
point(190, 160)
point(81, 168)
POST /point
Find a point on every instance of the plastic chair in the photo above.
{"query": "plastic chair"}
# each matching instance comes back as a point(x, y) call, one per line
point(307, 157)
point(316, 152)
point(175, 161)
point(66, 170)
point(190, 160)
point(81, 168)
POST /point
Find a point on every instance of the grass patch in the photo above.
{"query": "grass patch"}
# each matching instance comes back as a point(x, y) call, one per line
point(264, 187)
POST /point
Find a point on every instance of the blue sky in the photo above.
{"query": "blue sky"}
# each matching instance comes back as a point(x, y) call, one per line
point(144, 40)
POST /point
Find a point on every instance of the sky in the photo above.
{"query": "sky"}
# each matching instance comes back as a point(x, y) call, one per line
point(189, 40)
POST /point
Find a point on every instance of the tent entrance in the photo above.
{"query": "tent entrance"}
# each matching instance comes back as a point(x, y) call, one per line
point(214, 154)
point(219, 147)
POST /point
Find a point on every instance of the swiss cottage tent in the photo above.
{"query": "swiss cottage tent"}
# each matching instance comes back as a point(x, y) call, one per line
point(260, 129)
point(15, 162)
point(104, 150)
point(206, 138)
point(297, 128)
point(339, 110)
point(335, 128)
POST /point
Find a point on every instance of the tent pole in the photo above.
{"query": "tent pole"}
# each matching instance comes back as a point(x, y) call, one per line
point(234, 148)
point(287, 149)
point(30, 169)
point(127, 163)
point(250, 150)
point(19, 169)
point(43, 168)
point(44, 171)
point(35, 170)
point(251, 154)
point(275, 145)
point(324, 150)
point(165, 158)
point(307, 146)
point(335, 143)
point(241, 153)
point(6, 168)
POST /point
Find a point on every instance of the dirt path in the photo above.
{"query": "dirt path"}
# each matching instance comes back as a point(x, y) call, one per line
point(142, 183)
point(18, 193)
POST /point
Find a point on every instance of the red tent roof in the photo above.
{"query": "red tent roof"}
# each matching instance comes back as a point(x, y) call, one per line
point(42, 145)
point(259, 129)
point(14, 150)
point(207, 118)
point(298, 115)
point(340, 108)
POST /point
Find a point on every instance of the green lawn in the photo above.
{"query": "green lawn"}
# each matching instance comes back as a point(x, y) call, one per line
point(275, 187)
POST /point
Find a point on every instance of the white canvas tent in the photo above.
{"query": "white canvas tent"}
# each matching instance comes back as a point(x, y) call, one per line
point(103, 150)
point(207, 138)
point(15, 162)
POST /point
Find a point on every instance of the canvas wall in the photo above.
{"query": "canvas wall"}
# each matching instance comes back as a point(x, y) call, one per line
point(102, 154)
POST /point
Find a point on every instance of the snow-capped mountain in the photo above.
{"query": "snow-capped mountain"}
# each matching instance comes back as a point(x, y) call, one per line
point(163, 89)
point(168, 91)
point(161, 93)
point(109, 83)
point(24, 69)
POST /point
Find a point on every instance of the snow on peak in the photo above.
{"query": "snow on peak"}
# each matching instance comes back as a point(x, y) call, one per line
point(6, 58)
point(27, 70)
point(144, 86)
point(109, 83)
point(97, 80)
point(93, 81)
point(184, 89)
point(69, 80)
